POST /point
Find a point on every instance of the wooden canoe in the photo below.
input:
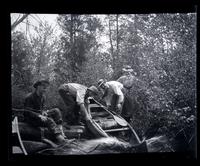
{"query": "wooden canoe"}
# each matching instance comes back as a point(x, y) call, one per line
point(103, 124)
point(26, 139)
point(111, 123)
point(17, 143)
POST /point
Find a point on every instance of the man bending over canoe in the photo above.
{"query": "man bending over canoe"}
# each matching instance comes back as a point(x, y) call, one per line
point(76, 98)
point(115, 98)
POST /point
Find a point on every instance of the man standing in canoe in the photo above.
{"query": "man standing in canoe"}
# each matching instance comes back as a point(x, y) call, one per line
point(35, 114)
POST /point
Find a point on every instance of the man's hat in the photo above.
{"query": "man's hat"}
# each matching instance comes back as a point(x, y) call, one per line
point(127, 68)
point(40, 82)
point(94, 89)
point(100, 82)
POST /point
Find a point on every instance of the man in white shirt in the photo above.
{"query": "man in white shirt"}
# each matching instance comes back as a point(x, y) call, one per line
point(74, 96)
point(76, 99)
point(113, 95)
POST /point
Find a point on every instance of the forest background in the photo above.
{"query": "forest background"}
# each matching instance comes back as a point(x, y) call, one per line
point(161, 49)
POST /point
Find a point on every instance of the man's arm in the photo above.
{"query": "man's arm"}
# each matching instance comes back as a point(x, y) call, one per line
point(84, 112)
point(29, 110)
point(80, 99)
point(120, 96)
point(121, 79)
point(32, 114)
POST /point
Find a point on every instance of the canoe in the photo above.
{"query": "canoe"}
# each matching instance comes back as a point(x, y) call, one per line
point(17, 143)
point(27, 140)
point(103, 123)
point(111, 123)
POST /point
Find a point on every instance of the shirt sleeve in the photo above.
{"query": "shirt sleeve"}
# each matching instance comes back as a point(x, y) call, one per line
point(64, 87)
point(121, 79)
point(118, 92)
point(80, 94)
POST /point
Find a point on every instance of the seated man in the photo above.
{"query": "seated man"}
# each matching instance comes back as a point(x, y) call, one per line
point(76, 98)
point(36, 116)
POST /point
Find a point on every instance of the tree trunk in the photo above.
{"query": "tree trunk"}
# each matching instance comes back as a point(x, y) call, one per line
point(110, 37)
point(72, 50)
point(13, 26)
point(111, 45)
point(39, 61)
point(117, 20)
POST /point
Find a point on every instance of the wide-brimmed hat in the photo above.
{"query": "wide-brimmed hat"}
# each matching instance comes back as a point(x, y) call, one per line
point(100, 82)
point(40, 82)
point(93, 89)
point(127, 68)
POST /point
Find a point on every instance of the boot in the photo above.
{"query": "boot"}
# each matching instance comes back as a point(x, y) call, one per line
point(60, 139)
point(142, 147)
point(62, 132)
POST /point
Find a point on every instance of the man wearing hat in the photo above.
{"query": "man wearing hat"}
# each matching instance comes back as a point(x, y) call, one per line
point(116, 98)
point(112, 94)
point(76, 98)
point(127, 79)
point(35, 114)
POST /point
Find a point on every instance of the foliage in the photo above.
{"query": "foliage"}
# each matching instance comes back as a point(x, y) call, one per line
point(79, 39)
point(20, 61)
point(161, 49)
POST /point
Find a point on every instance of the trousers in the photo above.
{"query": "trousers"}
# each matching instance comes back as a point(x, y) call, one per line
point(127, 109)
point(72, 106)
point(54, 118)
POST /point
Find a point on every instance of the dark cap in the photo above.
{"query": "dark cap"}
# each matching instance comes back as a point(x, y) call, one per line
point(93, 89)
point(40, 82)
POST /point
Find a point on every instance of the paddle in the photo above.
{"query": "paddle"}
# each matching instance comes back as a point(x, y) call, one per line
point(118, 119)
point(49, 142)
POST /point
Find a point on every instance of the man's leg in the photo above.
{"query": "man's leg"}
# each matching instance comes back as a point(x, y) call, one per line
point(70, 103)
point(36, 121)
point(56, 115)
point(127, 109)
point(54, 129)
point(32, 119)
point(68, 99)
point(113, 106)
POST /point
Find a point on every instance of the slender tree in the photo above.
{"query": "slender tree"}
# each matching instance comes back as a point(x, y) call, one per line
point(18, 21)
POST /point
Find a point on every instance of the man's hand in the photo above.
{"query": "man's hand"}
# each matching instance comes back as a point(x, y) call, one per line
point(119, 108)
point(44, 113)
point(84, 112)
point(43, 118)
point(88, 117)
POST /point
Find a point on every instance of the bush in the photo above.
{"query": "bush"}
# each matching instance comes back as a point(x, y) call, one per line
point(18, 96)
